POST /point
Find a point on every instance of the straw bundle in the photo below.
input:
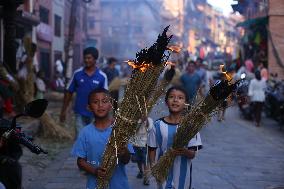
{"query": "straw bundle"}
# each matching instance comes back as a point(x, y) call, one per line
point(160, 89)
point(115, 84)
point(149, 64)
point(191, 124)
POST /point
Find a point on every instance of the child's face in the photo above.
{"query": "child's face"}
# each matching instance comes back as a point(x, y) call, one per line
point(100, 105)
point(176, 101)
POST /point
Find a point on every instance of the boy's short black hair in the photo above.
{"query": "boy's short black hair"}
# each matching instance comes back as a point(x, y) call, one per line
point(99, 90)
point(178, 88)
point(191, 62)
point(111, 60)
point(92, 51)
point(257, 75)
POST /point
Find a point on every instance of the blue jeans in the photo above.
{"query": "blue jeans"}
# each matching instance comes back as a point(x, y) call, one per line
point(81, 121)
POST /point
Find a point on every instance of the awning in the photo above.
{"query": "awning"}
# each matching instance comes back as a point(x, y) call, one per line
point(238, 8)
point(26, 18)
point(252, 22)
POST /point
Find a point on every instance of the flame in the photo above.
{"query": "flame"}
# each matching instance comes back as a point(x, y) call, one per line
point(222, 70)
point(170, 63)
point(174, 48)
point(142, 67)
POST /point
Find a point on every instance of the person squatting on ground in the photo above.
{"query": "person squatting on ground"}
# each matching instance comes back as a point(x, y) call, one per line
point(161, 139)
point(83, 81)
point(92, 140)
point(139, 142)
point(40, 87)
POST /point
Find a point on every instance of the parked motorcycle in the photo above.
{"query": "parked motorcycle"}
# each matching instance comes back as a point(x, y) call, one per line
point(274, 101)
point(11, 139)
point(245, 107)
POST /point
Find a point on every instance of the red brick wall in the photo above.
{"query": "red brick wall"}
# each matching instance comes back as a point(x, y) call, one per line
point(276, 27)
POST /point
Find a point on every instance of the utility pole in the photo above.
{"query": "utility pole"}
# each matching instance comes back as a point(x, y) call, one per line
point(185, 24)
point(69, 48)
point(181, 14)
point(9, 14)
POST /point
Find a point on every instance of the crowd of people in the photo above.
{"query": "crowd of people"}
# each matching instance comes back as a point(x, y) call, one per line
point(97, 95)
point(94, 108)
point(9, 85)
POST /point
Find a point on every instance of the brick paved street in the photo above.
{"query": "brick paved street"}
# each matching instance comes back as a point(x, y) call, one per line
point(236, 155)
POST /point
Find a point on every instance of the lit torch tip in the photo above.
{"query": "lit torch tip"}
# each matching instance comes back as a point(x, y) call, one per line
point(174, 48)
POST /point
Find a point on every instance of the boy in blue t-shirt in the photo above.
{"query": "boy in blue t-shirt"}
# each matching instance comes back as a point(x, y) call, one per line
point(92, 140)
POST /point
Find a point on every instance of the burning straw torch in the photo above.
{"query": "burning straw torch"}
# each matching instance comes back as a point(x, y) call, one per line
point(148, 66)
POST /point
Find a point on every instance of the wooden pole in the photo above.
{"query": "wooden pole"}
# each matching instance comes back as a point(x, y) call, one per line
point(69, 48)
point(9, 14)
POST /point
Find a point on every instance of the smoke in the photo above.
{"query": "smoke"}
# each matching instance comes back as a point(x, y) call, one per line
point(128, 26)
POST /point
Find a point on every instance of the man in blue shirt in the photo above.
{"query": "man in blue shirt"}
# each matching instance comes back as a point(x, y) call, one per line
point(92, 140)
point(112, 73)
point(201, 71)
point(191, 81)
point(83, 81)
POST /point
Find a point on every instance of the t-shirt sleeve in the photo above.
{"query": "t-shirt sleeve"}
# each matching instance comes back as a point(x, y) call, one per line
point(80, 146)
point(2, 186)
point(130, 148)
point(71, 86)
point(105, 83)
point(250, 88)
point(205, 76)
point(195, 143)
point(152, 139)
point(150, 124)
point(264, 85)
point(199, 80)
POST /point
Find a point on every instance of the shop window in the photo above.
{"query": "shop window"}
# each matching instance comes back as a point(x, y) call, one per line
point(57, 25)
point(116, 13)
point(57, 55)
point(44, 14)
point(45, 62)
point(137, 29)
point(92, 24)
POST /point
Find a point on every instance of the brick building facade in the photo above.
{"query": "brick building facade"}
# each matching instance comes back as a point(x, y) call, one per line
point(276, 43)
point(273, 12)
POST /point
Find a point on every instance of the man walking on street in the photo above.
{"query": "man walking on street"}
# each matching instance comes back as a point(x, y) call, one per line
point(200, 70)
point(83, 81)
point(191, 81)
point(112, 76)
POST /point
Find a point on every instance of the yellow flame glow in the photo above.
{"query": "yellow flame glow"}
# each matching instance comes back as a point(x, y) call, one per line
point(142, 67)
point(170, 63)
point(222, 70)
point(174, 48)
